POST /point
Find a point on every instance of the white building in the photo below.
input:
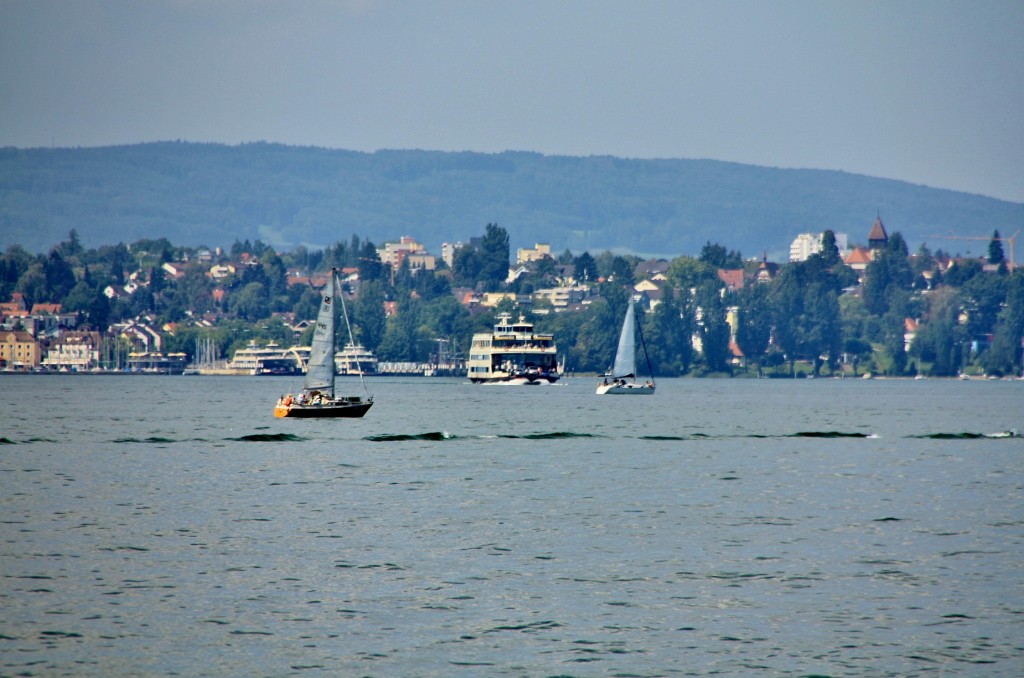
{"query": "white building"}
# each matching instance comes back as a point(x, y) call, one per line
point(394, 252)
point(806, 244)
point(448, 252)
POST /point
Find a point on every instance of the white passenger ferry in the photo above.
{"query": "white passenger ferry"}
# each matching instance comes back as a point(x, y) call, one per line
point(355, 359)
point(512, 354)
point(265, 360)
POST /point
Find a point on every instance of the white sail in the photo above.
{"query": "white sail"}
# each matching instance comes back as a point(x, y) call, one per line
point(625, 355)
point(320, 369)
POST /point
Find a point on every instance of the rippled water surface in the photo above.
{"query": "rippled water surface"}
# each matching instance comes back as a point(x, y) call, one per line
point(172, 526)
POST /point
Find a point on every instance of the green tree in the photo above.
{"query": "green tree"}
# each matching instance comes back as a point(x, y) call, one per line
point(60, 278)
point(787, 301)
point(585, 269)
point(858, 351)
point(446, 318)
point(687, 273)
point(368, 315)
point(597, 338)
point(669, 335)
point(995, 249)
point(494, 253)
point(754, 322)
point(823, 330)
point(32, 284)
point(714, 330)
point(403, 339)
point(939, 339)
point(307, 305)
point(716, 256)
point(250, 303)
point(1004, 357)
point(829, 248)
point(196, 290)
point(890, 269)
point(466, 266)
point(14, 263)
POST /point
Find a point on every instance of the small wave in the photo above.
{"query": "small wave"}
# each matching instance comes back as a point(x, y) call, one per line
point(398, 437)
point(828, 434)
point(6, 441)
point(268, 438)
point(551, 435)
point(966, 435)
point(150, 439)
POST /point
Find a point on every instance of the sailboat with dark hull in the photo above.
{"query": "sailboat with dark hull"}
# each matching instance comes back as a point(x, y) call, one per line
point(318, 397)
point(621, 379)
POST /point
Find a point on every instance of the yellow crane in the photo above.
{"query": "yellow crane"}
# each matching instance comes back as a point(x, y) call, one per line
point(1009, 239)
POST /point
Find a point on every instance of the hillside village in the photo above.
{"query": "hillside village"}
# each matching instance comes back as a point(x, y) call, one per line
point(152, 307)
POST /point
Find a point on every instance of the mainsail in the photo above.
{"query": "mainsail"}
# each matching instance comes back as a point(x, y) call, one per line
point(320, 369)
point(625, 355)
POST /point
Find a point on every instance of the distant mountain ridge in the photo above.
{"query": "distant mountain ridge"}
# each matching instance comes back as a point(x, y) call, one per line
point(212, 194)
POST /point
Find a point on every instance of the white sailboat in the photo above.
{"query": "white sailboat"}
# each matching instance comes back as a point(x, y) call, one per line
point(621, 380)
point(317, 398)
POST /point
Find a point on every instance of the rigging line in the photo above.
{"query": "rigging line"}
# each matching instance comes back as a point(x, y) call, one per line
point(340, 294)
point(643, 345)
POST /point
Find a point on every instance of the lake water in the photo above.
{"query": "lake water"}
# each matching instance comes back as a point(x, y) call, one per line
point(172, 526)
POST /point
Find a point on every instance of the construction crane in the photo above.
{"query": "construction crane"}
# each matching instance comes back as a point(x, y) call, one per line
point(1009, 239)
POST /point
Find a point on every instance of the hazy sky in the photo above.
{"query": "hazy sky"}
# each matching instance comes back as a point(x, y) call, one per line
point(928, 92)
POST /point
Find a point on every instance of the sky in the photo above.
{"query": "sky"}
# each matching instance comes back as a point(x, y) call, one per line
point(927, 92)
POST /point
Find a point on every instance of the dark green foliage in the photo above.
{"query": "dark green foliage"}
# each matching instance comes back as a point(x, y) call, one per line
point(219, 194)
point(717, 256)
point(995, 249)
point(368, 315)
point(968, 319)
point(714, 330)
point(754, 322)
point(585, 269)
point(668, 334)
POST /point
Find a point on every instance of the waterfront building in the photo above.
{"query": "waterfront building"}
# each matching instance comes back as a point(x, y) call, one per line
point(19, 351)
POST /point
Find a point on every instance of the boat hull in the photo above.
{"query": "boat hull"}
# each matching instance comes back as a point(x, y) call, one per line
point(338, 409)
point(631, 388)
point(518, 381)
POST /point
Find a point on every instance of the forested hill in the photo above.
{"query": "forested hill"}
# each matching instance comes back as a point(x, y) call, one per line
point(212, 194)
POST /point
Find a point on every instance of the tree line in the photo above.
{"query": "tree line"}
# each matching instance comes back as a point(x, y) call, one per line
point(811, 316)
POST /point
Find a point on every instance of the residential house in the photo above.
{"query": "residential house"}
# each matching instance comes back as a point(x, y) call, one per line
point(539, 251)
point(74, 351)
point(858, 259)
point(492, 299)
point(19, 350)
point(15, 308)
point(141, 336)
point(562, 298)
point(175, 270)
point(732, 278)
point(45, 309)
point(393, 253)
point(221, 271)
point(654, 269)
point(420, 261)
